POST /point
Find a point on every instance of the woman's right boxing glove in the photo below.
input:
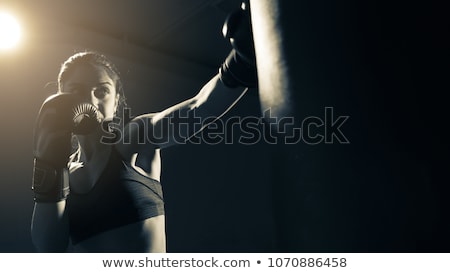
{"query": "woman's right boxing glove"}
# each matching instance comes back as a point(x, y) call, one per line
point(60, 115)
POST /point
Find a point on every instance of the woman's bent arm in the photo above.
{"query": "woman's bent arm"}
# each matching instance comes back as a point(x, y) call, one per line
point(50, 227)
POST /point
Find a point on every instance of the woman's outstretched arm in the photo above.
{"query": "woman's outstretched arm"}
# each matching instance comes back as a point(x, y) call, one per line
point(180, 122)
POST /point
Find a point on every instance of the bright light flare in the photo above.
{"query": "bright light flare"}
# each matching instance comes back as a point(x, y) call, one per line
point(9, 31)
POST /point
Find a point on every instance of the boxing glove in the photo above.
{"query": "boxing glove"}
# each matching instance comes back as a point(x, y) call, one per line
point(239, 68)
point(59, 117)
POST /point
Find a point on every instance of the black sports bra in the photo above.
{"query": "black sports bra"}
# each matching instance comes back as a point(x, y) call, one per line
point(121, 196)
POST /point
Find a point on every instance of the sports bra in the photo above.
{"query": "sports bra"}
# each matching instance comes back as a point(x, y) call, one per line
point(121, 196)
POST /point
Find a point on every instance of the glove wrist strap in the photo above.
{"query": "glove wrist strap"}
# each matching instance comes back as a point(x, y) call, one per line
point(235, 72)
point(49, 184)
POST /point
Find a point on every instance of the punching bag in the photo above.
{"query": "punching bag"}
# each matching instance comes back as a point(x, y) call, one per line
point(350, 90)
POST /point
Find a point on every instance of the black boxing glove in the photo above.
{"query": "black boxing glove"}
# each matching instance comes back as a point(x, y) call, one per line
point(59, 116)
point(239, 68)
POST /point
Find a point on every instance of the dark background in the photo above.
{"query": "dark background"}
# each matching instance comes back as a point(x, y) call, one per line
point(383, 64)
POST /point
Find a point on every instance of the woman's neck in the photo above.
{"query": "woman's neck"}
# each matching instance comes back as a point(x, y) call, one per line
point(90, 147)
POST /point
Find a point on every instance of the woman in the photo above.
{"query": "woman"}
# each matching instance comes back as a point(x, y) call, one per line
point(115, 202)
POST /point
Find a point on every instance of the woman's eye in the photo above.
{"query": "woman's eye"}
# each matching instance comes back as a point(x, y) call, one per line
point(101, 92)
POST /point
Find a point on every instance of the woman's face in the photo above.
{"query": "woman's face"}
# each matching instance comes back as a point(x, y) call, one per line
point(95, 86)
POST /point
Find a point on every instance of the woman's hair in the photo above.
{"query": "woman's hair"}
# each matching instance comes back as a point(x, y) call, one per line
point(95, 59)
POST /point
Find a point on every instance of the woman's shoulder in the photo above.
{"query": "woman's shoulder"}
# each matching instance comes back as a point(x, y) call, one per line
point(145, 159)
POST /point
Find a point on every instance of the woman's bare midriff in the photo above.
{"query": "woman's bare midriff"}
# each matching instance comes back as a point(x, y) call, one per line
point(140, 237)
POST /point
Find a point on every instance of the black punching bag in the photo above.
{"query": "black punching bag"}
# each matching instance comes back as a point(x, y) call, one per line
point(353, 92)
